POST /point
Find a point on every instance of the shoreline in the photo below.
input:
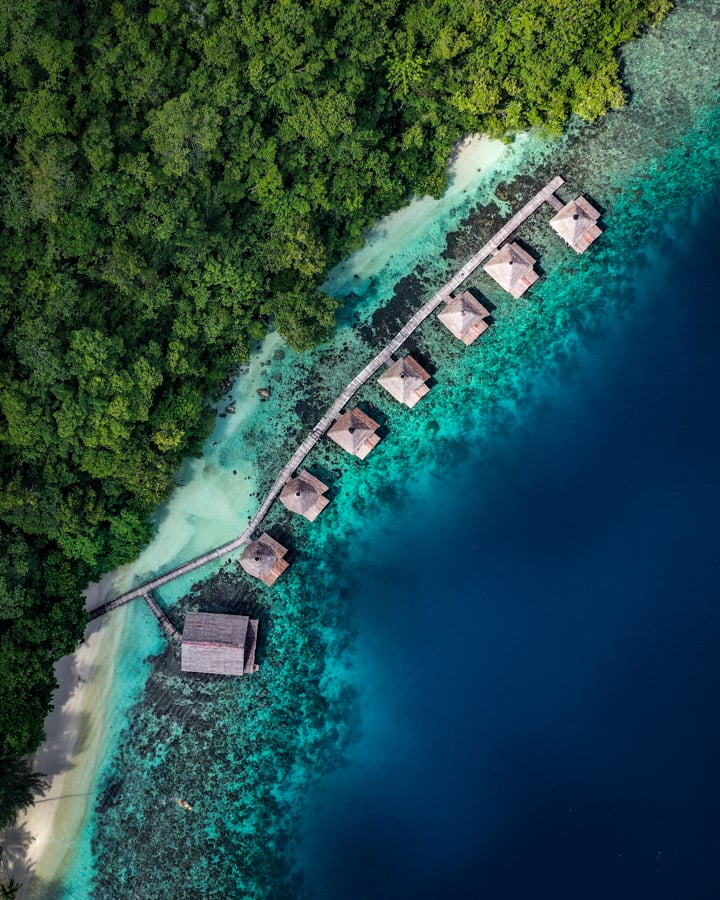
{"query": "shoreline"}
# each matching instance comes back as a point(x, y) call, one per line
point(384, 244)
point(41, 845)
point(71, 755)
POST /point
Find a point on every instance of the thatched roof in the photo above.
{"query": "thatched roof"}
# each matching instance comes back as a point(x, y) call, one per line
point(576, 223)
point(303, 495)
point(258, 558)
point(355, 431)
point(218, 644)
point(405, 380)
point(512, 268)
point(263, 559)
point(465, 317)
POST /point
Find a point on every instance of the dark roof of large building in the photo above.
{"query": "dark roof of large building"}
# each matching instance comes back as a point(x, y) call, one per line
point(218, 644)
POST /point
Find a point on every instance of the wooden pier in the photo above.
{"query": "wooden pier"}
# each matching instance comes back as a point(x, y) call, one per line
point(383, 358)
point(165, 623)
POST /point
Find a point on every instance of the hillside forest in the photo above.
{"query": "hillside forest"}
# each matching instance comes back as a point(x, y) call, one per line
point(176, 177)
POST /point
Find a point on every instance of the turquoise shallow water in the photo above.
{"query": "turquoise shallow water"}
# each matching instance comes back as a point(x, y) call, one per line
point(250, 754)
point(132, 668)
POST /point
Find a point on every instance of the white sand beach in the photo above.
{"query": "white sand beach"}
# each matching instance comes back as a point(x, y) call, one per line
point(70, 757)
point(387, 238)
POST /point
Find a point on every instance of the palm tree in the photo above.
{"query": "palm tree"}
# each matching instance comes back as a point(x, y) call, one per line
point(18, 786)
point(8, 888)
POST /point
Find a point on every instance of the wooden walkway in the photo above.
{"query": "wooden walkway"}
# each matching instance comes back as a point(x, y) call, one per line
point(165, 623)
point(384, 357)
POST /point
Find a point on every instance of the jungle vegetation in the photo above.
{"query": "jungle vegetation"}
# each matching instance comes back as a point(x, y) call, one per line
point(175, 177)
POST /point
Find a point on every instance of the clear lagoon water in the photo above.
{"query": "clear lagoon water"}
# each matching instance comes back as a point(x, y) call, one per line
point(492, 669)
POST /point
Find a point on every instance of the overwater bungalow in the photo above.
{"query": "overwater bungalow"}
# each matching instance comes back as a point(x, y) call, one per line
point(263, 559)
point(355, 431)
point(219, 644)
point(405, 380)
point(576, 223)
point(304, 495)
point(465, 317)
point(512, 268)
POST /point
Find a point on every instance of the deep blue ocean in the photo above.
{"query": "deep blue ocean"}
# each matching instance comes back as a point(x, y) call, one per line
point(546, 722)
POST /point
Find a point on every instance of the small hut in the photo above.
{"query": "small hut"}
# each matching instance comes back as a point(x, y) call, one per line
point(219, 644)
point(576, 223)
point(304, 495)
point(465, 317)
point(512, 268)
point(405, 380)
point(355, 431)
point(263, 559)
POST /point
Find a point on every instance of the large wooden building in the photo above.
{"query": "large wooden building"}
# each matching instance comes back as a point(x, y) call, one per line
point(219, 644)
point(263, 559)
point(304, 495)
point(576, 223)
point(355, 431)
point(465, 317)
point(512, 268)
point(405, 380)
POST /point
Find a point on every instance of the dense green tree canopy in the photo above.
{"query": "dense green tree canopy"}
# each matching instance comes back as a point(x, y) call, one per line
point(176, 175)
